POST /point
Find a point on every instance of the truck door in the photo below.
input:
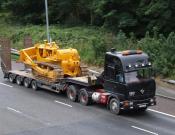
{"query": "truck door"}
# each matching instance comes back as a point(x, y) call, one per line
point(113, 75)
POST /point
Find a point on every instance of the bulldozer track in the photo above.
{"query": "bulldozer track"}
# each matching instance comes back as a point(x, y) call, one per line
point(53, 67)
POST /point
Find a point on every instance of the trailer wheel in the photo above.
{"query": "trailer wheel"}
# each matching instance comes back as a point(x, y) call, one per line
point(114, 106)
point(11, 78)
point(26, 82)
point(18, 80)
point(83, 97)
point(72, 93)
point(34, 85)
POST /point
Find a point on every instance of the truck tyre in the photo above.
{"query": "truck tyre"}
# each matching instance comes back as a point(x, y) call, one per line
point(26, 82)
point(34, 85)
point(11, 78)
point(84, 98)
point(114, 106)
point(72, 93)
point(18, 80)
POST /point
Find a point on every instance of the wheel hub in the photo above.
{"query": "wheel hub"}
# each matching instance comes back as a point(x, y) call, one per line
point(83, 98)
point(25, 83)
point(114, 106)
point(71, 94)
point(18, 81)
point(11, 78)
point(34, 86)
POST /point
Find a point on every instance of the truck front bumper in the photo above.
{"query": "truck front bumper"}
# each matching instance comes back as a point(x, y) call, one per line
point(137, 104)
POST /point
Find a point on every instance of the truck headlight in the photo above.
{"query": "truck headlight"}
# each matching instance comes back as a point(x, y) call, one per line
point(136, 65)
point(149, 63)
point(131, 103)
point(131, 94)
point(151, 100)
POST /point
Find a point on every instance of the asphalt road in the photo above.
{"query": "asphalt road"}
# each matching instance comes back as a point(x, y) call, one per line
point(27, 112)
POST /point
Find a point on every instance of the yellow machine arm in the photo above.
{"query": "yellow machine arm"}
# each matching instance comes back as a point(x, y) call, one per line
point(45, 58)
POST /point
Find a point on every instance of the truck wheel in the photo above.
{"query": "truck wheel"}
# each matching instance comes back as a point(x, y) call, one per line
point(26, 82)
point(72, 93)
point(34, 85)
point(83, 97)
point(114, 106)
point(11, 78)
point(18, 80)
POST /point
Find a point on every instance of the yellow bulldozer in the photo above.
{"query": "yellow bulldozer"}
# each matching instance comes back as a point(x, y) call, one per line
point(50, 62)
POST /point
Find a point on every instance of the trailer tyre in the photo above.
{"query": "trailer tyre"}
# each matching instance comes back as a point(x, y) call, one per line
point(11, 78)
point(84, 98)
point(114, 106)
point(26, 82)
point(72, 93)
point(34, 85)
point(18, 80)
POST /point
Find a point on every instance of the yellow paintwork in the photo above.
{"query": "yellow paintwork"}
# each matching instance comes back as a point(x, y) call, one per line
point(67, 59)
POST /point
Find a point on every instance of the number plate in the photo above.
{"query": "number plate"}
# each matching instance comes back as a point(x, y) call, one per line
point(142, 105)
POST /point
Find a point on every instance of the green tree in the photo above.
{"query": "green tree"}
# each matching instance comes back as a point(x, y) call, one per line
point(1, 3)
point(137, 16)
point(26, 11)
point(69, 11)
point(155, 13)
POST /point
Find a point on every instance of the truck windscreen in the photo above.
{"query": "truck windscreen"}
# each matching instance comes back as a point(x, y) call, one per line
point(135, 76)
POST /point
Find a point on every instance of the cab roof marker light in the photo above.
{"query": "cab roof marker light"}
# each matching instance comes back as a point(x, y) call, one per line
point(131, 52)
point(136, 65)
point(125, 53)
point(139, 51)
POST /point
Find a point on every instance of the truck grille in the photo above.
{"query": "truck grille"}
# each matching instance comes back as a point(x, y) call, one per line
point(144, 89)
point(146, 94)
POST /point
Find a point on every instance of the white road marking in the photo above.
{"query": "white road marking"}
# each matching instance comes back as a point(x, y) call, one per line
point(6, 85)
point(63, 103)
point(161, 113)
point(35, 119)
point(144, 130)
point(27, 116)
point(14, 110)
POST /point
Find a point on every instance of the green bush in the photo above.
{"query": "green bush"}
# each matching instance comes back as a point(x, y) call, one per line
point(161, 51)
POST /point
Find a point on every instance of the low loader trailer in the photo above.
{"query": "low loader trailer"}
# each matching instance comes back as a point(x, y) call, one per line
point(126, 83)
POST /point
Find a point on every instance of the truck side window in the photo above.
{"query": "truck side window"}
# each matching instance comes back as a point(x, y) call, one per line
point(113, 69)
point(120, 78)
point(118, 65)
point(118, 71)
point(109, 68)
point(110, 72)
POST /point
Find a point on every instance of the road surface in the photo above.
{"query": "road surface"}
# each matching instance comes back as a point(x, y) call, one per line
point(24, 111)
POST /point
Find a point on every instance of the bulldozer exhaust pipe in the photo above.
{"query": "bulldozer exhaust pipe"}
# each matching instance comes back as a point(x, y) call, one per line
point(47, 22)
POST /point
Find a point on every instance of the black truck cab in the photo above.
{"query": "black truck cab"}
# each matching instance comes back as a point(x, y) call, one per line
point(128, 76)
